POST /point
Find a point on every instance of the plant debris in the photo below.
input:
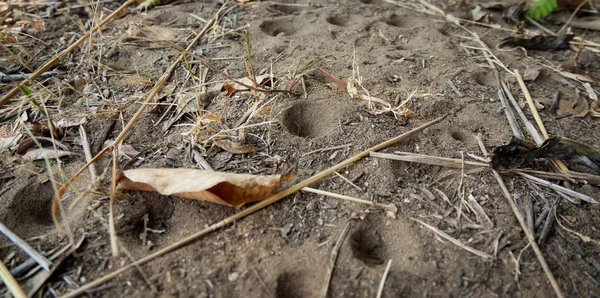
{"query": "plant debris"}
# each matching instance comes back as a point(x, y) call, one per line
point(538, 43)
point(520, 151)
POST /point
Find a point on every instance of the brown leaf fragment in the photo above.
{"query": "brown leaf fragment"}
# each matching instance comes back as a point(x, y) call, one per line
point(582, 108)
point(578, 108)
point(234, 87)
point(123, 150)
point(228, 189)
point(333, 78)
point(233, 147)
point(521, 151)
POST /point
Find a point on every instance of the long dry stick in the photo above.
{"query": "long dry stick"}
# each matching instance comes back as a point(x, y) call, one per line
point(333, 257)
point(528, 233)
point(10, 282)
point(62, 54)
point(157, 87)
point(114, 246)
point(532, 107)
point(270, 200)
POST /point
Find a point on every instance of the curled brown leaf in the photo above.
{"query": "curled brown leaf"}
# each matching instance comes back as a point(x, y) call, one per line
point(228, 189)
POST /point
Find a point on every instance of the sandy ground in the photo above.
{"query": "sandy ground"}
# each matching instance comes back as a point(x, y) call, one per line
point(283, 250)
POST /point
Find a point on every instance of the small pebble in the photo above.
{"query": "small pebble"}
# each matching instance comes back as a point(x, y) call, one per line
point(287, 230)
point(233, 276)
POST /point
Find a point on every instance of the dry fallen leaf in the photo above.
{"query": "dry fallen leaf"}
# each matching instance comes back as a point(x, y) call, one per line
point(233, 147)
point(39, 154)
point(7, 143)
point(224, 188)
point(582, 108)
point(595, 109)
point(124, 150)
point(577, 108)
point(233, 87)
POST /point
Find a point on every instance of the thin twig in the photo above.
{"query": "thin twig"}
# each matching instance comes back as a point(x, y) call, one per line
point(529, 216)
point(88, 152)
point(24, 246)
point(114, 246)
point(391, 208)
point(326, 149)
point(348, 181)
point(454, 240)
point(333, 257)
point(564, 26)
point(548, 224)
point(270, 200)
point(383, 278)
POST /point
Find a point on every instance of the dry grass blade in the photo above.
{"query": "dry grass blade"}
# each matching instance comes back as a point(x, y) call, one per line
point(390, 208)
point(430, 160)
point(528, 125)
point(157, 87)
point(510, 116)
point(114, 246)
point(483, 218)
point(456, 163)
point(584, 238)
point(333, 257)
point(532, 107)
point(383, 278)
point(454, 240)
point(570, 176)
point(326, 149)
point(272, 199)
point(521, 220)
point(87, 152)
point(10, 282)
point(564, 26)
point(62, 54)
point(559, 188)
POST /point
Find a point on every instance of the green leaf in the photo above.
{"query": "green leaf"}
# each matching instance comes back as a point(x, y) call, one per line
point(25, 90)
point(540, 9)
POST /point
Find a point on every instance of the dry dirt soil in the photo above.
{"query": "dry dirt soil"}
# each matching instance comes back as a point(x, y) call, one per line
point(284, 249)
